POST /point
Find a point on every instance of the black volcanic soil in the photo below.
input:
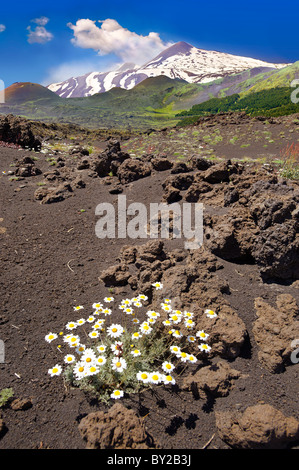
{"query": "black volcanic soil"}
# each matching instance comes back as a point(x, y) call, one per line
point(50, 261)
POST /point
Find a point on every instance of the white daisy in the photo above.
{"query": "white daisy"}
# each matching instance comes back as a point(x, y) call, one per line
point(119, 364)
point(189, 323)
point(166, 308)
point(145, 328)
point(210, 313)
point(177, 334)
point(128, 310)
point(188, 314)
point(71, 325)
point(155, 377)
point(101, 360)
point(157, 285)
point(152, 314)
point(183, 356)
point(136, 335)
point(97, 306)
point(175, 318)
point(142, 297)
point(93, 334)
point(81, 321)
point(101, 348)
point(92, 369)
point(191, 339)
point(135, 352)
point(69, 359)
point(202, 335)
point(107, 311)
point(50, 337)
point(204, 347)
point(168, 379)
point(80, 349)
point(78, 307)
point(116, 394)
point(80, 370)
point(115, 330)
point(90, 319)
point(143, 377)
point(175, 350)
point(73, 341)
point(56, 370)
point(109, 299)
point(192, 358)
point(88, 356)
point(167, 366)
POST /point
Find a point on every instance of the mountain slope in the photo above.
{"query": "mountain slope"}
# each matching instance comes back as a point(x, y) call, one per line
point(22, 92)
point(180, 60)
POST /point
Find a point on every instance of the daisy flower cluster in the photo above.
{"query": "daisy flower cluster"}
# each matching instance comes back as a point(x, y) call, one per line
point(144, 349)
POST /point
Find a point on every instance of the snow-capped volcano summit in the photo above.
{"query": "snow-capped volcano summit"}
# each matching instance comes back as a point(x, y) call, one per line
point(181, 60)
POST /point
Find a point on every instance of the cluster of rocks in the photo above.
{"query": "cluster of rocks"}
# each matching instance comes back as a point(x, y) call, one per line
point(256, 220)
point(18, 131)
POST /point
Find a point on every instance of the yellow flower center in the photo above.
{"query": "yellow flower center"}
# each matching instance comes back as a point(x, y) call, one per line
point(155, 377)
point(55, 370)
point(184, 354)
point(114, 330)
point(88, 359)
point(144, 376)
point(81, 369)
point(168, 366)
point(93, 369)
point(118, 364)
point(117, 392)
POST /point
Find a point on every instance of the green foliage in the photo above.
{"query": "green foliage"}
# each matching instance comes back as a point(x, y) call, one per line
point(273, 102)
point(5, 395)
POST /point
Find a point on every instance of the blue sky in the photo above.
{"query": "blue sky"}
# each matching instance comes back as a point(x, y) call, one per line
point(44, 42)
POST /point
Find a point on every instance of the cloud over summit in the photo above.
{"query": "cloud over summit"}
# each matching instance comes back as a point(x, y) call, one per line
point(112, 38)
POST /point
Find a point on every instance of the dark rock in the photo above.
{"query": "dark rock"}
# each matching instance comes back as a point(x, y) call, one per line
point(258, 427)
point(132, 170)
point(161, 164)
point(180, 167)
point(118, 428)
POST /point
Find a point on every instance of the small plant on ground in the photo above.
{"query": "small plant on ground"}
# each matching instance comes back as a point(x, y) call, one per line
point(5, 395)
point(290, 165)
point(145, 349)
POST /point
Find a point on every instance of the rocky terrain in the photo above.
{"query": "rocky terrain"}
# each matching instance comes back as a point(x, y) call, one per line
point(244, 393)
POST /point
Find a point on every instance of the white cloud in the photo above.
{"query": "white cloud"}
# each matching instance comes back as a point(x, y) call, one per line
point(2, 28)
point(112, 38)
point(40, 34)
point(42, 21)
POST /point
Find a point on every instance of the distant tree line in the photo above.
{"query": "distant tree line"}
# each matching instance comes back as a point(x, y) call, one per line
point(273, 102)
